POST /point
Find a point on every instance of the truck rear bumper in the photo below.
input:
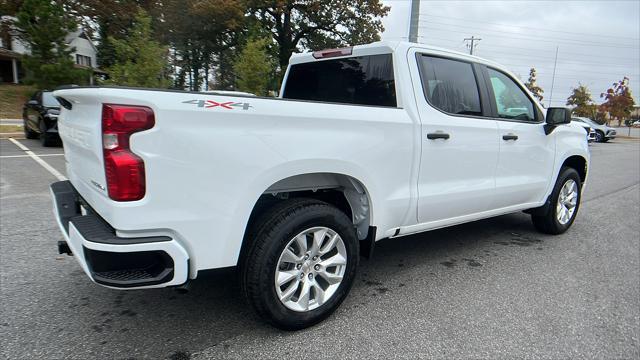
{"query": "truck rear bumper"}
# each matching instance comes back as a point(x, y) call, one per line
point(110, 260)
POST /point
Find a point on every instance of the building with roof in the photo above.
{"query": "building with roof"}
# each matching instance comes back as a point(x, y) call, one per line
point(13, 49)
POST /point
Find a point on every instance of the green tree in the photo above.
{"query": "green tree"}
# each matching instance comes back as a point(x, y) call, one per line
point(43, 26)
point(618, 100)
point(139, 59)
point(532, 85)
point(318, 24)
point(113, 18)
point(203, 35)
point(253, 67)
point(582, 102)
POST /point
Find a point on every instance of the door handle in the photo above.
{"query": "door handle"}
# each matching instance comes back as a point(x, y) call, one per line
point(510, 136)
point(438, 135)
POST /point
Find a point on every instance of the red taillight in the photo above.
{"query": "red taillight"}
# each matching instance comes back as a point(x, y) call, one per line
point(123, 169)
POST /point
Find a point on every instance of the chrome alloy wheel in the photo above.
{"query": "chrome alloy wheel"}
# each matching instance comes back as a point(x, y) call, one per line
point(310, 269)
point(567, 201)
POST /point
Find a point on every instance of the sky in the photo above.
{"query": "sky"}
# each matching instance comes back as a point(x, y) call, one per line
point(598, 42)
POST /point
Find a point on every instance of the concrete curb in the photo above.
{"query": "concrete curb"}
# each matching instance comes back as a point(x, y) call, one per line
point(15, 135)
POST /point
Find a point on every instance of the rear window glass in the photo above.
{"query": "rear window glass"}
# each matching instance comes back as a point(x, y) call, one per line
point(363, 80)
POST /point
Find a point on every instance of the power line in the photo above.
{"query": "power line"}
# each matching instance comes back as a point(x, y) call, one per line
point(569, 62)
point(574, 42)
point(530, 64)
point(531, 49)
point(538, 50)
point(531, 28)
point(511, 32)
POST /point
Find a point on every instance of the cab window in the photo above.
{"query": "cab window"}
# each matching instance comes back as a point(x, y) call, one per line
point(511, 101)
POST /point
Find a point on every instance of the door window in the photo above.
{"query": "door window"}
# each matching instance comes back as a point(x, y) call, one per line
point(511, 100)
point(450, 85)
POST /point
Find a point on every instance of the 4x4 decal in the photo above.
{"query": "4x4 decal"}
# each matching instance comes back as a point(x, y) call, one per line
point(225, 105)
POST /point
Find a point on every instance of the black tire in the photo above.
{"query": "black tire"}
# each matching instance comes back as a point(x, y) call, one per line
point(599, 136)
point(28, 133)
point(47, 139)
point(548, 223)
point(267, 239)
point(605, 140)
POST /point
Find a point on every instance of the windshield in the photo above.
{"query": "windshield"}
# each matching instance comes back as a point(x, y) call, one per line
point(48, 100)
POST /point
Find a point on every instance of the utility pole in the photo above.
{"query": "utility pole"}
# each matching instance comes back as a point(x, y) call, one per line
point(473, 39)
point(413, 20)
point(553, 79)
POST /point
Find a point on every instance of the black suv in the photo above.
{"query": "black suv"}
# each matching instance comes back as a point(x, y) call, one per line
point(40, 117)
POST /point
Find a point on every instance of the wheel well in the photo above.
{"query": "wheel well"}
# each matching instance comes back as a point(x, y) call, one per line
point(342, 191)
point(579, 164)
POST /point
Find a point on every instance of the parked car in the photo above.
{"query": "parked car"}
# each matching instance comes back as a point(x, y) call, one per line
point(636, 123)
point(40, 118)
point(604, 133)
point(591, 134)
point(368, 142)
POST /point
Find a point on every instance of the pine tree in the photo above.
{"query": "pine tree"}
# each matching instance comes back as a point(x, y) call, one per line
point(43, 26)
point(253, 68)
point(139, 60)
point(532, 85)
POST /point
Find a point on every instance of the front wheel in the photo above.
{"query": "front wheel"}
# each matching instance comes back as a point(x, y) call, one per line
point(565, 201)
point(599, 136)
point(28, 133)
point(301, 263)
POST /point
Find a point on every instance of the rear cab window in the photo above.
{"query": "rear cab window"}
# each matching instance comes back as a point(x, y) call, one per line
point(360, 80)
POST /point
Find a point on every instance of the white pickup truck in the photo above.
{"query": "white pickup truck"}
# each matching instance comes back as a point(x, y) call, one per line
point(365, 143)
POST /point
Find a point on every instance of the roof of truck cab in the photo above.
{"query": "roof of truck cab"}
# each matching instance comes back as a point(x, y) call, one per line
point(381, 47)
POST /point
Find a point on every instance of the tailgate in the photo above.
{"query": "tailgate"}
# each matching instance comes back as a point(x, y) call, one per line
point(80, 127)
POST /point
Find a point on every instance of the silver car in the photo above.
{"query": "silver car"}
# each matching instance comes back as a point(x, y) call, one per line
point(591, 134)
point(604, 133)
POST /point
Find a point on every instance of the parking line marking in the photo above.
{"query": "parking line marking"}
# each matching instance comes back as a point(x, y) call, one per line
point(21, 156)
point(37, 159)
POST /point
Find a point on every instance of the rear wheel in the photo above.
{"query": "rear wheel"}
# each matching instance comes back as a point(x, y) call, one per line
point(565, 201)
point(301, 263)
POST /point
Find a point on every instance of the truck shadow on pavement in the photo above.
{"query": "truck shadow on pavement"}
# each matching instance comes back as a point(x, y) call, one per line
point(162, 323)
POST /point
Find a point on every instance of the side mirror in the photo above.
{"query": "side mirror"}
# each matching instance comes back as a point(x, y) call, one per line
point(558, 116)
point(32, 102)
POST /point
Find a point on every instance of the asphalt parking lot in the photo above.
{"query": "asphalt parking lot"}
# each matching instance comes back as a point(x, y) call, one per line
point(488, 289)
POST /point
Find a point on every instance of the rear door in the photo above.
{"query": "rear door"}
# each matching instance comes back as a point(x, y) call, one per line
point(527, 154)
point(459, 146)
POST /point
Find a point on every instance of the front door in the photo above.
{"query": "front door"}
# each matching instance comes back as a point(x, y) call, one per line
point(527, 154)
